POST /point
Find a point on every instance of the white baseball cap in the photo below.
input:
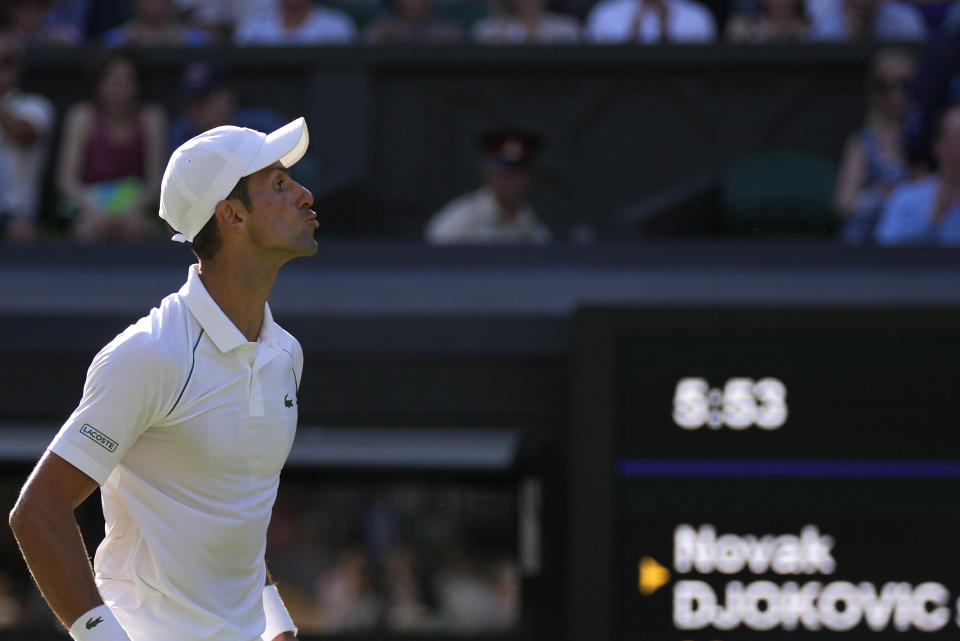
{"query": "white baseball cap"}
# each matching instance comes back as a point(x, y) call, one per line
point(205, 169)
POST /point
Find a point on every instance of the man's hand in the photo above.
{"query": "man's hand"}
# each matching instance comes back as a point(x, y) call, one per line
point(285, 636)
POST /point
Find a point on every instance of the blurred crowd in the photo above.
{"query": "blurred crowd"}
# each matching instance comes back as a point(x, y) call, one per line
point(898, 178)
point(398, 557)
point(355, 558)
point(303, 22)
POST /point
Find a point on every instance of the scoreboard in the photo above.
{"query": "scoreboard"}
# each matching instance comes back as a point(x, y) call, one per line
point(745, 473)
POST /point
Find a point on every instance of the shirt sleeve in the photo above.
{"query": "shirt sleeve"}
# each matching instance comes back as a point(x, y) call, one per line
point(126, 392)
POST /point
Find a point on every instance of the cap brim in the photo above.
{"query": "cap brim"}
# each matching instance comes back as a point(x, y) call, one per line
point(286, 145)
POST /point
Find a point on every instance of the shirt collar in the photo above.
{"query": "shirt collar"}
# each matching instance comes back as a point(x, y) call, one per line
point(215, 323)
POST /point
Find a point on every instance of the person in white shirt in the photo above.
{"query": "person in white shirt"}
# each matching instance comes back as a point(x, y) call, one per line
point(864, 20)
point(296, 22)
point(26, 123)
point(186, 420)
point(650, 22)
point(498, 213)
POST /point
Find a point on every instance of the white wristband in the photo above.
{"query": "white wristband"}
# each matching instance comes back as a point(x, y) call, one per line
point(278, 619)
point(98, 624)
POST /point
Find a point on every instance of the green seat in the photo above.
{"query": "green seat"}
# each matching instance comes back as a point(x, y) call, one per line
point(782, 192)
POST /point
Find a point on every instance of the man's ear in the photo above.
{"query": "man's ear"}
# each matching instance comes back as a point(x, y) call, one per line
point(231, 215)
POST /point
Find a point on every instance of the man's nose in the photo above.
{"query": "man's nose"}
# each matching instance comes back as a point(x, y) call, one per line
point(306, 198)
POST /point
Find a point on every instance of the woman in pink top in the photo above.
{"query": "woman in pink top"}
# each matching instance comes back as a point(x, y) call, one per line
point(111, 155)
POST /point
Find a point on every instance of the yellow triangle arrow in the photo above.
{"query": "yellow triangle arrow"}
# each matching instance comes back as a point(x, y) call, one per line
point(652, 576)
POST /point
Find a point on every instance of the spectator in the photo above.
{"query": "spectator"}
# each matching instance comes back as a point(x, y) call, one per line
point(112, 155)
point(219, 17)
point(33, 22)
point(345, 600)
point(498, 212)
point(412, 22)
point(210, 101)
point(155, 24)
point(296, 22)
point(91, 18)
point(776, 21)
point(650, 21)
point(927, 211)
point(874, 161)
point(524, 22)
point(858, 20)
point(26, 122)
point(936, 84)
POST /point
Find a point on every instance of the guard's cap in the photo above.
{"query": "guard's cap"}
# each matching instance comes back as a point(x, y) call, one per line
point(510, 147)
point(205, 169)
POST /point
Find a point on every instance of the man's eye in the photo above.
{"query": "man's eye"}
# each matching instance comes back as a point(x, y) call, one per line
point(278, 185)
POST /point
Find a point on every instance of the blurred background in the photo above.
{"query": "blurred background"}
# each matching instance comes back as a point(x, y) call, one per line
point(589, 272)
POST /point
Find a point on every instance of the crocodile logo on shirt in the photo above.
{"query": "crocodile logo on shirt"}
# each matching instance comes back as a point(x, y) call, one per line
point(98, 437)
point(288, 402)
point(92, 623)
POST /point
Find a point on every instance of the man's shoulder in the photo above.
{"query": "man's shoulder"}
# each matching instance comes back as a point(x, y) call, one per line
point(158, 340)
point(286, 340)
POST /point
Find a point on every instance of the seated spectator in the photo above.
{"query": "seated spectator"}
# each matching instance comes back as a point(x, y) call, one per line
point(650, 22)
point(859, 20)
point(33, 22)
point(776, 21)
point(219, 17)
point(935, 85)
point(498, 212)
point(92, 18)
point(210, 101)
point(412, 21)
point(927, 211)
point(296, 22)
point(524, 22)
point(112, 155)
point(155, 24)
point(874, 161)
point(26, 122)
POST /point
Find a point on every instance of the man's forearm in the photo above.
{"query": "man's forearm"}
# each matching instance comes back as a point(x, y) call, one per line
point(53, 549)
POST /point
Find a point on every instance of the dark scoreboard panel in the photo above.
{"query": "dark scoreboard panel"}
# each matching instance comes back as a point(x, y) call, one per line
point(768, 473)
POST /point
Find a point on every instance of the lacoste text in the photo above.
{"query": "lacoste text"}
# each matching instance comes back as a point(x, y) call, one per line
point(98, 437)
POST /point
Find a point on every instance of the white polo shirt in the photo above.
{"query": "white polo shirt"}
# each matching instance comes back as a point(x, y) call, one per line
point(186, 425)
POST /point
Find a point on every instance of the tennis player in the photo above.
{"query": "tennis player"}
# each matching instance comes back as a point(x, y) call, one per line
point(186, 420)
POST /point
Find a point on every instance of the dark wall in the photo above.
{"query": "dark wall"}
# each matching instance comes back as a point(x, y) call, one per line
point(393, 129)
